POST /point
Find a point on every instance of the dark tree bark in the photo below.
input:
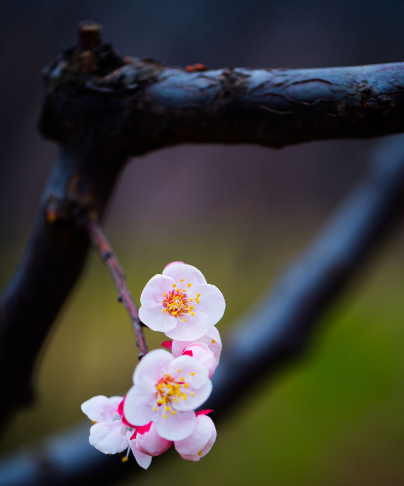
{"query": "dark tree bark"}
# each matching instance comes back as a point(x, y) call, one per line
point(101, 108)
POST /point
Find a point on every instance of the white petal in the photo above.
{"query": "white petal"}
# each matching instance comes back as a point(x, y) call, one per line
point(101, 408)
point(152, 367)
point(174, 427)
point(211, 302)
point(143, 460)
point(190, 369)
point(109, 437)
point(190, 274)
point(155, 288)
point(151, 313)
point(199, 442)
point(138, 406)
point(191, 330)
point(200, 395)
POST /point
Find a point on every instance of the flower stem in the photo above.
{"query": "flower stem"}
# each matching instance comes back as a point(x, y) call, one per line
point(107, 254)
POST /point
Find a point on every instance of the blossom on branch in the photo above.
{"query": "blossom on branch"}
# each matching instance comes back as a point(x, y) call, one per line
point(166, 392)
point(181, 303)
point(111, 431)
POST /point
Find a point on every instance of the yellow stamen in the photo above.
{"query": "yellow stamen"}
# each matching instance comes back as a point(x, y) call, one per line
point(213, 341)
point(178, 371)
point(164, 311)
point(124, 459)
point(173, 412)
point(165, 295)
point(188, 285)
point(155, 409)
point(192, 373)
point(182, 379)
point(185, 385)
point(197, 300)
point(200, 452)
point(94, 421)
point(167, 409)
point(181, 280)
point(192, 394)
point(174, 285)
point(198, 295)
point(192, 314)
point(184, 320)
point(164, 416)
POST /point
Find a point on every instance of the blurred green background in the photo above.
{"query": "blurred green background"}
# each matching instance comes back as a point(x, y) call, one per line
point(241, 215)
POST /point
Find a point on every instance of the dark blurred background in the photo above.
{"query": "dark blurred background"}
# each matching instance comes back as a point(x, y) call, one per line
point(335, 418)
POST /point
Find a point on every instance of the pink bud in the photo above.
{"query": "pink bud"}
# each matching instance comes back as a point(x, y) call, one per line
point(203, 354)
point(200, 442)
point(148, 441)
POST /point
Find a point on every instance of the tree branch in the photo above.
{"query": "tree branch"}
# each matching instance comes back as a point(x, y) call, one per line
point(278, 331)
point(101, 108)
point(103, 248)
point(156, 106)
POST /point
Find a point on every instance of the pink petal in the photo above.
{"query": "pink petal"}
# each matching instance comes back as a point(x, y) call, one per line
point(172, 263)
point(167, 344)
point(151, 443)
point(174, 427)
point(203, 354)
point(199, 442)
point(142, 459)
point(138, 406)
point(191, 330)
point(155, 289)
point(200, 395)
point(204, 412)
point(151, 313)
point(101, 408)
point(211, 302)
point(152, 367)
point(109, 437)
point(190, 274)
point(190, 369)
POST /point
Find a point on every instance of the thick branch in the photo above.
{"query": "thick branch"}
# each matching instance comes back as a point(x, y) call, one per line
point(108, 256)
point(157, 106)
point(278, 331)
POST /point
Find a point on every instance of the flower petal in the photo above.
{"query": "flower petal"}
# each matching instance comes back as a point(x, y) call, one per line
point(151, 313)
point(188, 369)
point(138, 406)
point(174, 427)
point(142, 459)
point(190, 274)
point(200, 395)
point(155, 288)
point(151, 443)
point(152, 367)
point(109, 437)
point(211, 302)
point(199, 442)
point(191, 330)
point(101, 408)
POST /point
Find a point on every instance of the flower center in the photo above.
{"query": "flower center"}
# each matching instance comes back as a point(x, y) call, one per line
point(169, 391)
point(176, 303)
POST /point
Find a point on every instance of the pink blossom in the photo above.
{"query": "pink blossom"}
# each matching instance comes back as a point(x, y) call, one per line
point(181, 303)
point(147, 440)
point(166, 391)
point(111, 431)
point(213, 342)
point(200, 441)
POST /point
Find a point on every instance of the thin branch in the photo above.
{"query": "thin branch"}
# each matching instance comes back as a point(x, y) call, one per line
point(105, 251)
point(278, 331)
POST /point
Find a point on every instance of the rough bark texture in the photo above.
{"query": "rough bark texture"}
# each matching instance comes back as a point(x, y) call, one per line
point(102, 108)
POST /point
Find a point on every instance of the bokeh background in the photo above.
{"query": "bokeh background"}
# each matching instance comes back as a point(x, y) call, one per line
point(334, 418)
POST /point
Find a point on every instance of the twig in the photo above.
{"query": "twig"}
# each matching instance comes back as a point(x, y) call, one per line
point(268, 338)
point(104, 249)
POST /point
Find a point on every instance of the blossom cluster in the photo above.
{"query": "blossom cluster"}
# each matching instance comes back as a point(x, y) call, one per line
point(159, 410)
